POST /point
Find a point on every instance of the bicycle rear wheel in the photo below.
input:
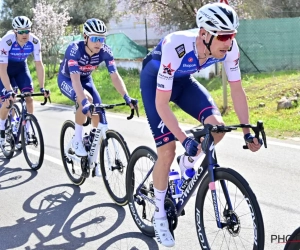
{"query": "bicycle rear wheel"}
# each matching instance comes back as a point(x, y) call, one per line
point(8, 147)
point(243, 227)
point(293, 241)
point(114, 156)
point(32, 142)
point(70, 161)
point(142, 210)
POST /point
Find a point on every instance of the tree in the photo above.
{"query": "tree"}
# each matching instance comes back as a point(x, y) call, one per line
point(50, 20)
point(283, 8)
point(181, 14)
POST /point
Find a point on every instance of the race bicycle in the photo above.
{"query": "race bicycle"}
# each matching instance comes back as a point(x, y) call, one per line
point(114, 155)
point(27, 127)
point(227, 217)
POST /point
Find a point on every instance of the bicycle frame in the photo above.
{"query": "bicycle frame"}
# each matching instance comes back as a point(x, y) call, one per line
point(207, 166)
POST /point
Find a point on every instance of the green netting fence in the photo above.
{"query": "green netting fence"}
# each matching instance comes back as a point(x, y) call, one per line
point(122, 46)
point(269, 44)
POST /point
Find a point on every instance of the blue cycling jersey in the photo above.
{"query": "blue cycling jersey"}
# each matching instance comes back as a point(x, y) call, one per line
point(11, 51)
point(176, 56)
point(77, 61)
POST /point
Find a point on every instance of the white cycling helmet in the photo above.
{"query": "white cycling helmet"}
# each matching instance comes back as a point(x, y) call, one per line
point(21, 22)
point(217, 17)
point(94, 26)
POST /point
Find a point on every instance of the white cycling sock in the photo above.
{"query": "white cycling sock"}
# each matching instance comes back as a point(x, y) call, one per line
point(78, 132)
point(159, 203)
point(2, 124)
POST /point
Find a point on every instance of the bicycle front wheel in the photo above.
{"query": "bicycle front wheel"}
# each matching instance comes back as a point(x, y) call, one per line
point(114, 156)
point(242, 226)
point(140, 163)
point(32, 142)
point(293, 241)
point(71, 162)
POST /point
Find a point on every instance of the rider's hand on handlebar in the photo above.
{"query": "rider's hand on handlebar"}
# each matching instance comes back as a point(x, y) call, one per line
point(45, 92)
point(10, 95)
point(133, 103)
point(191, 146)
point(252, 142)
point(86, 107)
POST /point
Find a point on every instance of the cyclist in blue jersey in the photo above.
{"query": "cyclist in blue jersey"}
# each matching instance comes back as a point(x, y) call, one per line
point(75, 80)
point(166, 76)
point(15, 47)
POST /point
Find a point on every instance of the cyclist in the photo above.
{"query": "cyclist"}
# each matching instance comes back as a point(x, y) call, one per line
point(166, 76)
point(75, 80)
point(15, 47)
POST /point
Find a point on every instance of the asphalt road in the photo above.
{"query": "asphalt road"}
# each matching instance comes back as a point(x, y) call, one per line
point(43, 210)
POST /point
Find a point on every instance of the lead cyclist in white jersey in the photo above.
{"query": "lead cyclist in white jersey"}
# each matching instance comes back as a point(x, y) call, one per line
point(166, 76)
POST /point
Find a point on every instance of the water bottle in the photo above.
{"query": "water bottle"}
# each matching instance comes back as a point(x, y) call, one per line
point(86, 142)
point(186, 178)
point(174, 179)
point(15, 125)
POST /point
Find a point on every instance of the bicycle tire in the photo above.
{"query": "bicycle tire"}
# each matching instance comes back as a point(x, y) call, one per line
point(243, 186)
point(9, 138)
point(137, 154)
point(293, 242)
point(120, 199)
point(33, 120)
point(77, 181)
point(17, 110)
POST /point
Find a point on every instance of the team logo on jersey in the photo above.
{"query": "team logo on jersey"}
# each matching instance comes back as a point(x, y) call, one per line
point(35, 41)
point(180, 50)
point(3, 52)
point(190, 59)
point(112, 62)
point(87, 68)
point(107, 49)
point(236, 61)
point(167, 69)
point(9, 42)
point(72, 63)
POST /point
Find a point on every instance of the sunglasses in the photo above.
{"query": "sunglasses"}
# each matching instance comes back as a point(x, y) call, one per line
point(95, 39)
point(225, 37)
point(21, 32)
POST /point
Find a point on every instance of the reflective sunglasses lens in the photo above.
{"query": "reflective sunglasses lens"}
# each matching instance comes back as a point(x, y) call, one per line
point(95, 39)
point(224, 38)
point(21, 32)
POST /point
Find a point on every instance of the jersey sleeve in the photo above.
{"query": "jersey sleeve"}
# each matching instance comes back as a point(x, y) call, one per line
point(72, 57)
point(231, 63)
point(5, 47)
point(109, 59)
point(37, 48)
point(170, 62)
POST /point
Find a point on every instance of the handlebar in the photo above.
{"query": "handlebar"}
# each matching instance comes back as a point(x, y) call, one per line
point(23, 95)
point(205, 131)
point(100, 107)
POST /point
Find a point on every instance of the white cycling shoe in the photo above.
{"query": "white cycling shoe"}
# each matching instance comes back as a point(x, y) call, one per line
point(79, 148)
point(162, 232)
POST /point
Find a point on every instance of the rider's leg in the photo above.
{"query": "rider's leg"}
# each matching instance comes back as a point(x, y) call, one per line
point(166, 151)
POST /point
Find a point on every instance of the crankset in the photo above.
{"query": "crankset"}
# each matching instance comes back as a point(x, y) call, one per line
point(171, 214)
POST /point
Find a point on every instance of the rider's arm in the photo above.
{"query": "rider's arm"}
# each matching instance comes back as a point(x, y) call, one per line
point(238, 95)
point(5, 46)
point(112, 70)
point(72, 56)
point(118, 83)
point(168, 66)
point(37, 54)
point(4, 76)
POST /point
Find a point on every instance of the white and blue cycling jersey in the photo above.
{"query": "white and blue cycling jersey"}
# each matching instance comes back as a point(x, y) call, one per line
point(15, 56)
point(169, 67)
point(11, 51)
point(176, 56)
